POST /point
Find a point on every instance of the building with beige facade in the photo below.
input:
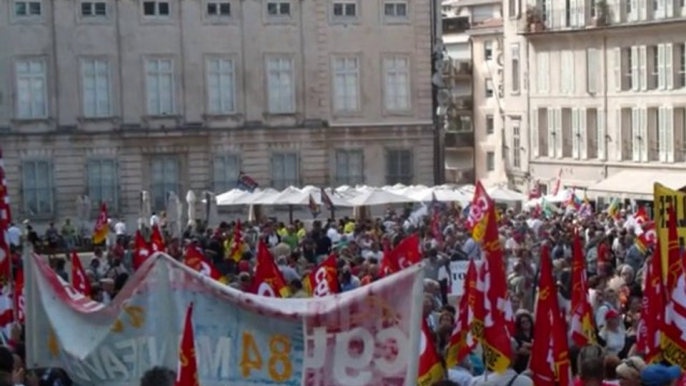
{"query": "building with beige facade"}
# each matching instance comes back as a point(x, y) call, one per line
point(473, 138)
point(601, 90)
point(107, 98)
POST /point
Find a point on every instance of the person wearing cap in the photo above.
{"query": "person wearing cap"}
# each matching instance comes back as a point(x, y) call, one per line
point(660, 375)
point(629, 371)
point(612, 333)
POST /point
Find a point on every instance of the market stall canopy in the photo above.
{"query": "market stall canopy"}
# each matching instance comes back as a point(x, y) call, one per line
point(636, 184)
point(262, 197)
point(377, 196)
point(503, 194)
point(441, 194)
point(232, 197)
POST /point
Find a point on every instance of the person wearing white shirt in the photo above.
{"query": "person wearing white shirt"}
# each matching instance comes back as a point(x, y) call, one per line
point(333, 235)
point(461, 374)
point(14, 235)
point(120, 228)
point(154, 219)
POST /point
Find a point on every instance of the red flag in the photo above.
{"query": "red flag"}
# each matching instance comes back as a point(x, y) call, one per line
point(197, 261)
point(324, 280)
point(405, 254)
point(496, 339)
point(156, 240)
point(641, 216)
point(268, 278)
point(478, 212)
point(430, 367)
point(19, 299)
point(647, 238)
point(102, 228)
point(141, 250)
point(6, 301)
point(535, 191)
point(648, 337)
point(463, 339)
point(188, 363)
point(556, 186)
point(78, 276)
point(673, 343)
point(549, 361)
point(388, 265)
point(583, 332)
point(237, 249)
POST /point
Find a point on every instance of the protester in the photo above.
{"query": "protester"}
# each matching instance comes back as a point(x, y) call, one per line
point(158, 376)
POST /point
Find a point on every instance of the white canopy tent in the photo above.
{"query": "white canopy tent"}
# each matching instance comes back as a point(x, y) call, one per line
point(377, 196)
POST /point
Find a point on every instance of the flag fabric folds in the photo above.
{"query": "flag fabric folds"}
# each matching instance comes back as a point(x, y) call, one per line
point(102, 228)
point(19, 298)
point(237, 249)
point(78, 276)
point(405, 254)
point(672, 343)
point(326, 200)
point(156, 240)
point(6, 302)
point(323, 281)
point(268, 278)
point(498, 314)
point(649, 326)
point(583, 332)
point(141, 250)
point(245, 182)
point(430, 367)
point(188, 363)
point(468, 321)
point(314, 207)
point(197, 261)
point(556, 185)
point(478, 212)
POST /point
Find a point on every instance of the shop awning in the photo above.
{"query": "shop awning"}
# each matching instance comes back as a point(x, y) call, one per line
point(636, 184)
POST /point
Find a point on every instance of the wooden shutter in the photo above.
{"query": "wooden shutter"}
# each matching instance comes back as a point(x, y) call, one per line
point(644, 134)
point(669, 8)
point(662, 135)
point(634, 10)
point(583, 130)
point(643, 67)
point(635, 62)
point(551, 133)
point(600, 132)
point(533, 124)
point(618, 69)
point(669, 66)
point(661, 79)
point(670, 138)
point(558, 129)
point(576, 134)
point(635, 133)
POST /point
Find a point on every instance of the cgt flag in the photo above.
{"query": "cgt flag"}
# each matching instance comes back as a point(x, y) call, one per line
point(141, 250)
point(648, 337)
point(583, 332)
point(430, 367)
point(324, 280)
point(673, 342)
point(102, 228)
point(78, 276)
point(469, 320)
point(268, 278)
point(156, 240)
point(188, 362)
point(196, 260)
point(478, 212)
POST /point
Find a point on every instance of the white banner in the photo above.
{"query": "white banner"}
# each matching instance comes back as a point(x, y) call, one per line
point(458, 271)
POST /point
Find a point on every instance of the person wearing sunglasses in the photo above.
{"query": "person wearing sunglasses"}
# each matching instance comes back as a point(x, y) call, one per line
point(629, 371)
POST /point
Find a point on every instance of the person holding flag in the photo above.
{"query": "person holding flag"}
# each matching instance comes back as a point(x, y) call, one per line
point(102, 226)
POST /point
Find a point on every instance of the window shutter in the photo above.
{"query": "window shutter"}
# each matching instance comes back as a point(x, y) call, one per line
point(635, 68)
point(618, 69)
point(620, 135)
point(669, 66)
point(668, 8)
point(634, 10)
point(570, 75)
point(635, 134)
point(661, 79)
point(661, 133)
point(660, 12)
point(533, 123)
point(644, 134)
point(551, 133)
point(558, 130)
point(549, 13)
point(583, 139)
point(576, 134)
point(670, 138)
point(616, 11)
point(643, 9)
point(600, 131)
point(643, 67)
point(581, 13)
point(591, 70)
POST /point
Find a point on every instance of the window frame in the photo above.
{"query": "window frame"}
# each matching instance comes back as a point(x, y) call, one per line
point(157, 15)
point(344, 18)
point(490, 124)
point(346, 110)
point(281, 109)
point(38, 190)
point(278, 17)
point(229, 181)
point(488, 50)
point(283, 183)
point(516, 76)
point(93, 9)
point(399, 177)
point(349, 178)
point(487, 89)
point(516, 143)
point(155, 186)
point(45, 93)
point(208, 95)
point(172, 73)
point(395, 19)
point(95, 60)
point(490, 161)
point(218, 4)
point(113, 206)
point(28, 16)
point(396, 71)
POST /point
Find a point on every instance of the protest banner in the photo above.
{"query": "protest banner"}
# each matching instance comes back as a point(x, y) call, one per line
point(458, 273)
point(664, 197)
point(369, 336)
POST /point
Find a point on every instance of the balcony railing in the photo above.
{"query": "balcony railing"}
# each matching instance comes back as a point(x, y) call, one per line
point(459, 139)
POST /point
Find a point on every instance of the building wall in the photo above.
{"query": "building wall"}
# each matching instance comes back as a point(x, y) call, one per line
point(574, 71)
point(61, 37)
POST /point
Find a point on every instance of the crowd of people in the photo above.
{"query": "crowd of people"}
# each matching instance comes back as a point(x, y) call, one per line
point(614, 265)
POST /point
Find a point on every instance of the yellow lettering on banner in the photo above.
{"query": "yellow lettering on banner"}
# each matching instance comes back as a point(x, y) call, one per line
point(279, 366)
point(280, 347)
point(136, 318)
point(663, 199)
point(673, 353)
point(250, 356)
point(118, 326)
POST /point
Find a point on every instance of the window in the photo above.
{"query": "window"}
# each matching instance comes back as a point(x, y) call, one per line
point(156, 9)
point(96, 88)
point(37, 188)
point(278, 9)
point(280, 85)
point(516, 145)
point(218, 9)
point(488, 50)
point(681, 72)
point(592, 70)
point(349, 167)
point(653, 67)
point(93, 9)
point(542, 71)
point(285, 170)
point(399, 167)
point(102, 182)
point(567, 74)
point(397, 83)
point(489, 88)
point(221, 86)
point(490, 161)
point(31, 89)
point(160, 86)
point(346, 72)
point(344, 10)
point(395, 10)
point(514, 49)
point(593, 6)
point(226, 170)
point(28, 8)
point(628, 58)
point(513, 8)
point(490, 124)
point(164, 173)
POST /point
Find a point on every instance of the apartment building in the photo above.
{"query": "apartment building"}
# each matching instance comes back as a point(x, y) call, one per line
point(606, 92)
point(483, 114)
point(107, 98)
